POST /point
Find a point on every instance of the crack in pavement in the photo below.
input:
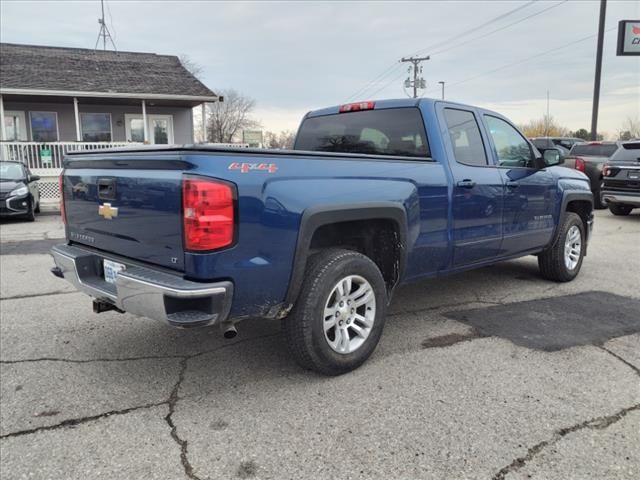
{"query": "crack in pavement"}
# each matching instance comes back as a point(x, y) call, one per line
point(32, 295)
point(627, 363)
point(72, 422)
point(90, 360)
point(173, 400)
point(599, 423)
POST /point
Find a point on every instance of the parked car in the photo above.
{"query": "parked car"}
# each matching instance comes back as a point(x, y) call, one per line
point(590, 158)
point(374, 195)
point(621, 190)
point(563, 144)
point(19, 193)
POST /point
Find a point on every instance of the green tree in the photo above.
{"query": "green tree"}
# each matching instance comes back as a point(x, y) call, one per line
point(581, 133)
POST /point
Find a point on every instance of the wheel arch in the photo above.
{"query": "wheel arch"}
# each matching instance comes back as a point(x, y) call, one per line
point(315, 218)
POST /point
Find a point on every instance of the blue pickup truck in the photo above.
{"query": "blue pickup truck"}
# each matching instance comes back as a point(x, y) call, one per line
point(373, 195)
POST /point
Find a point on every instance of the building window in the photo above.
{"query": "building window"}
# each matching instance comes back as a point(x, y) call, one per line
point(44, 126)
point(14, 126)
point(95, 127)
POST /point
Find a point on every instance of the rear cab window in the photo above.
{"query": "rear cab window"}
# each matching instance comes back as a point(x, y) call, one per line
point(389, 131)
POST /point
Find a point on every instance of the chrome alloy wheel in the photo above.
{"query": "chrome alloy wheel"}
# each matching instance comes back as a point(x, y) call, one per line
point(572, 247)
point(349, 314)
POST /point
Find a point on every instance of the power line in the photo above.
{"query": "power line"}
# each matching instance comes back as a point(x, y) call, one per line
point(524, 60)
point(479, 27)
point(389, 70)
point(499, 29)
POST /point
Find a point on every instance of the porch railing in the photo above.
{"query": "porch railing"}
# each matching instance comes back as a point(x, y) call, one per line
point(45, 155)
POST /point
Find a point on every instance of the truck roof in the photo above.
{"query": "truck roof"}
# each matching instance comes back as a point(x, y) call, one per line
point(394, 103)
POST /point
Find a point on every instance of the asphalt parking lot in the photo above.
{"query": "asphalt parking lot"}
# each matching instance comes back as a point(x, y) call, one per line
point(489, 374)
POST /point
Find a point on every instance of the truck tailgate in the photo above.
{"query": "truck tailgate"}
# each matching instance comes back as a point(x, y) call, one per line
point(131, 212)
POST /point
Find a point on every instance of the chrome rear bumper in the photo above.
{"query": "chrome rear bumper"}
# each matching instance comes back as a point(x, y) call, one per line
point(145, 291)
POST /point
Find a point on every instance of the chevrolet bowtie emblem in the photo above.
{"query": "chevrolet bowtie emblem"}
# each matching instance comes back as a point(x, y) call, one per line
point(107, 211)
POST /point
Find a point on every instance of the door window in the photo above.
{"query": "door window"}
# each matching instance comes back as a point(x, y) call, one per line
point(14, 126)
point(466, 140)
point(160, 128)
point(512, 148)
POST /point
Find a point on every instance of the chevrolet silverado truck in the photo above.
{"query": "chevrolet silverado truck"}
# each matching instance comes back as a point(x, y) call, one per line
point(374, 195)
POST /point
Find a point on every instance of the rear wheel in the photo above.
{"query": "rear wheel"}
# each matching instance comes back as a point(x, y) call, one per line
point(562, 261)
point(338, 318)
point(620, 209)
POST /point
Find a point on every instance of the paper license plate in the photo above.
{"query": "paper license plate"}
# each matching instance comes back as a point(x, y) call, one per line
point(111, 270)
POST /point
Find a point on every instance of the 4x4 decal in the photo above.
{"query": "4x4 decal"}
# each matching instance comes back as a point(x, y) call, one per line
point(247, 167)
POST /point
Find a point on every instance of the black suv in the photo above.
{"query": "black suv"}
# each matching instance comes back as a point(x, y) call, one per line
point(621, 175)
point(19, 194)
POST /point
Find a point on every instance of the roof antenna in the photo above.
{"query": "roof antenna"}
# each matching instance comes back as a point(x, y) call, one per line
point(104, 32)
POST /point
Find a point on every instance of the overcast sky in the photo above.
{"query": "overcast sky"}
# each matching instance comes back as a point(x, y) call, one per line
point(295, 56)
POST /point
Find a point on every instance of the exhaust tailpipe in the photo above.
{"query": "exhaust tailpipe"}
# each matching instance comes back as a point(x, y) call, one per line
point(230, 332)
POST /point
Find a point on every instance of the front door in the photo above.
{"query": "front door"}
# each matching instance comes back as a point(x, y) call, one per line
point(530, 193)
point(477, 191)
point(159, 129)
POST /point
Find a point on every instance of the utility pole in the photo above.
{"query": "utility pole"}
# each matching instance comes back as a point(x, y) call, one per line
point(546, 119)
point(441, 82)
point(417, 82)
point(596, 82)
point(104, 32)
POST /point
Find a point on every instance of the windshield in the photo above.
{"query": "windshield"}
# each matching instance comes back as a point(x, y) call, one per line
point(11, 172)
point(594, 149)
point(393, 131)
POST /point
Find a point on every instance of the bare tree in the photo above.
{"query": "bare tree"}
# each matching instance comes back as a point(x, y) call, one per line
point(193, 67)
point(544, 127)
point(283, 140)
point(630, 129)
point(227, 119)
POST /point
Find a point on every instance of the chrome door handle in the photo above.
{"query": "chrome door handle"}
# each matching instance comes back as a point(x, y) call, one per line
point(512, 185)
point(466, 183)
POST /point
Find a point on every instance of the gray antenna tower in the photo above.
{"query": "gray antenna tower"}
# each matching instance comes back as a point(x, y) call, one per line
point(104, 32)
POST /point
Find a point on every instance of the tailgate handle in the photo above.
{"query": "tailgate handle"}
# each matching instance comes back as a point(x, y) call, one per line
point(107, 188)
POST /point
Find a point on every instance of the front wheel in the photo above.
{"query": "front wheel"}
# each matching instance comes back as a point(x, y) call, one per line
point(562, 261)
point(619, 209)
point(338, 318)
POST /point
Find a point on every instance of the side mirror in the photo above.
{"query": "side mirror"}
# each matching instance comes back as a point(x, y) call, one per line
point(33, 178)
point(551, 157)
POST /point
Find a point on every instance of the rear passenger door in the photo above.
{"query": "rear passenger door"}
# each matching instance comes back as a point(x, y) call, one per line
point(530, 192)
point(477, 189)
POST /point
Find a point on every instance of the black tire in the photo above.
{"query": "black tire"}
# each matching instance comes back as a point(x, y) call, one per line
point(551, 261)
point(598, 202)
point(37, 210)
point(31, 216)
point(620, 209)
point(303, 328)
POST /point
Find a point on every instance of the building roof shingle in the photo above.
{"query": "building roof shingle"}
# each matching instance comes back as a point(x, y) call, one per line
point(32, 67)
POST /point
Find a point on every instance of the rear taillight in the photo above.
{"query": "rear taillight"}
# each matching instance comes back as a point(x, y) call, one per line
point(207, 208)
point(580, 165)
point(63, 214)
point(356, 107)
